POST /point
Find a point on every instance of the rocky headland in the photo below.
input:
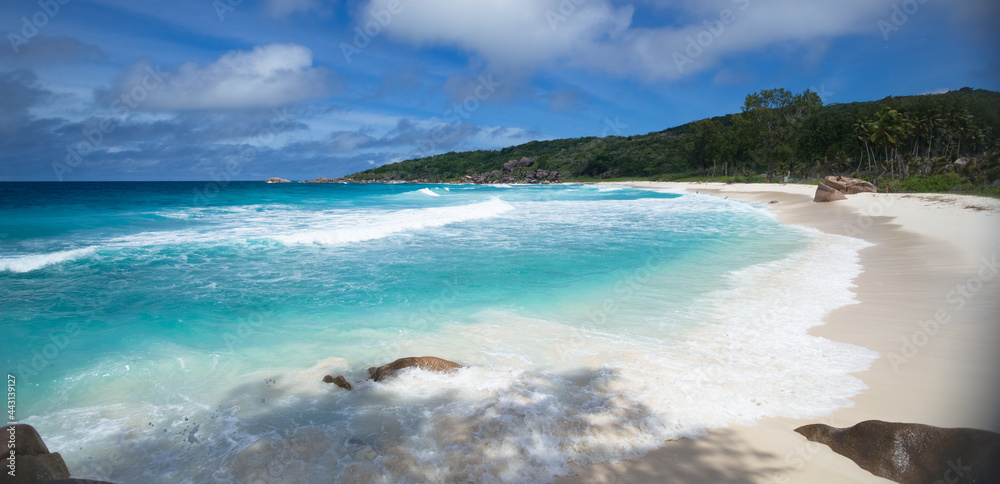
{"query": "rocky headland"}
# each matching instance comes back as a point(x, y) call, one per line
point(513, 171)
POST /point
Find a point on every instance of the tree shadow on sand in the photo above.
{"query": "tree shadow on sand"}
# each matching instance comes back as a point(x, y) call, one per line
point(430, 427)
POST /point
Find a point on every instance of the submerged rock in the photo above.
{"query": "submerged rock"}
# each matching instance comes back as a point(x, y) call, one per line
point(426, 362)
point(338, 380)
point(281, 460)
point(914, 453)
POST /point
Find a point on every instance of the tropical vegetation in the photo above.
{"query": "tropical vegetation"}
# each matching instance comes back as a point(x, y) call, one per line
point(951, 138)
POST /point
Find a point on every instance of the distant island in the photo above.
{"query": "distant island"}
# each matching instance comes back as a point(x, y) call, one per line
point(925, 143)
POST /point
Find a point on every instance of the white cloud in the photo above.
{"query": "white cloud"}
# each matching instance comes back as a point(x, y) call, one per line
point(268, 76)
point(506, 32)
point(600, 35)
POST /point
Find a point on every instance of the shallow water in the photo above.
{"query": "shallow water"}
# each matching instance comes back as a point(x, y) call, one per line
point(166, 332)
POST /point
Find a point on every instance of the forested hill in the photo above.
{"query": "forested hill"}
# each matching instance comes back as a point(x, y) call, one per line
point(777, 131)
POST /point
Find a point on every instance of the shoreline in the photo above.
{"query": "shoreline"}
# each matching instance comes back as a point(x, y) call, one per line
point(939, 345)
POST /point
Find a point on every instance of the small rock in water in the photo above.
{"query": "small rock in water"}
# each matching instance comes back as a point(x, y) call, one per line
point(429, 363)
point(339, 380)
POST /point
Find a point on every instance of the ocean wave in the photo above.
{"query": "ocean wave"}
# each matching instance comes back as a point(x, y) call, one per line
point(428, 192)
point(32, 262)
point(379, 226)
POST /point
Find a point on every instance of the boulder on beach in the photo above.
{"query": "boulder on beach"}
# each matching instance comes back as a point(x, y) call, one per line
point(32, 460)
point(430, 363)
point(825, 193)
point(914, 453)
point(338, 380)
point(831, 185)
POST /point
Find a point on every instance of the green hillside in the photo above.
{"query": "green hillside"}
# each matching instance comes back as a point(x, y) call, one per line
point(897, 138)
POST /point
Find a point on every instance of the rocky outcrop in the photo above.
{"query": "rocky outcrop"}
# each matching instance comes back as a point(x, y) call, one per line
point(849, 185)
point(32, 460)
point(523, 162)
point(914, 453)
point(338, 380)
point(496, 176)
point(277, 180)
point(541, 176)
point(826, 194)
point(828, 189)
point(33, 463)
point(326, 180)
point(430, 363)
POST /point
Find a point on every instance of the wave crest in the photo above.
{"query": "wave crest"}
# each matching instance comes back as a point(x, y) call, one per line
point(28, 263)
point(391, 223)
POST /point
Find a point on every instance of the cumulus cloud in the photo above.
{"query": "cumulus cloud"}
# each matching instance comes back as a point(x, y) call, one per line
point(267, 76)
point(600, 35)
point(507, 32)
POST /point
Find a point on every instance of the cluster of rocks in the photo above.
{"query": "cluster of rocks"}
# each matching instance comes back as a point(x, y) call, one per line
point(393, 181)
point(326, 180)
point(507, 174)
point(389, 370)
point(523, 162)
point(32, 462)
point(914, 453)
point(275, 179)
point(542, 176)
point(834, 188)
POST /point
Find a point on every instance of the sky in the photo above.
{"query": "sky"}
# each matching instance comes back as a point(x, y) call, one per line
point(250, 89)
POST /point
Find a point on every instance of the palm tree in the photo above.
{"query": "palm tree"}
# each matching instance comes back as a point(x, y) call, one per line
point(963, 128)
point(863, 131)
point(931, 125)
point(889, 129)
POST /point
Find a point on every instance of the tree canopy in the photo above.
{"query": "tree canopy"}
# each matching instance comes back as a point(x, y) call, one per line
point(776, 131)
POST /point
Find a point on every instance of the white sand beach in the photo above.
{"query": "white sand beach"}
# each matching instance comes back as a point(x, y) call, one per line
point(929, 304)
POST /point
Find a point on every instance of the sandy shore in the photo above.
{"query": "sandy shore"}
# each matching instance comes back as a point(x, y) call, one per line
point(929, 304)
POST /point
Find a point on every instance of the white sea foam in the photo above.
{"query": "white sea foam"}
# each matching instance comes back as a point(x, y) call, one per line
point(539, 394)
point(283, 224)
point(428, 192)
point(376, 226)
point(28, 263)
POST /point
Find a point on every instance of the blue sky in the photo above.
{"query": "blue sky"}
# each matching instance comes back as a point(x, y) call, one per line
point(248, 89)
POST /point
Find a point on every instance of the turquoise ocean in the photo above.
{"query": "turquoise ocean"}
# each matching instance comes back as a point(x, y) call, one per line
point(179, 332)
